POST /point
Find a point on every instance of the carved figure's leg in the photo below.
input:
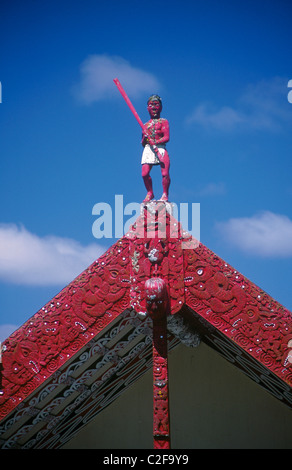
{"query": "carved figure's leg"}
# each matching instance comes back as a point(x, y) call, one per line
point(165, 164)
point(147, 181)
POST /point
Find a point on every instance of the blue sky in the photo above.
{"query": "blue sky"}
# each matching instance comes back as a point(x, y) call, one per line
point(69, 141)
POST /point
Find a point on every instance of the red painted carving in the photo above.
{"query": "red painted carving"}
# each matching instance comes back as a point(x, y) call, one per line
point(55, 333)
point(156, 250)
point(157, 308)
point(239, 309)
point(155, 136)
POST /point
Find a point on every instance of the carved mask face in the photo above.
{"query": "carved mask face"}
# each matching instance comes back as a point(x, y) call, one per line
point(155, 250)
point(156, 297)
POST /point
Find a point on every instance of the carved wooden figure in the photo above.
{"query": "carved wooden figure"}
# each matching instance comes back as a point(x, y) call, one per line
point(155, 135)
point(154, 138)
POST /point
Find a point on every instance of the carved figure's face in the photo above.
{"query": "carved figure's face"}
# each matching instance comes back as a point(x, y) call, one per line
point(154, 109)
point(156, 298)
point(156, 305)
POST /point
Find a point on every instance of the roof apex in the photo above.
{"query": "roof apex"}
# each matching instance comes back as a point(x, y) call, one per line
point(235, 316)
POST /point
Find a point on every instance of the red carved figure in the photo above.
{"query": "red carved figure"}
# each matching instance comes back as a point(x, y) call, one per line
point(154, 138)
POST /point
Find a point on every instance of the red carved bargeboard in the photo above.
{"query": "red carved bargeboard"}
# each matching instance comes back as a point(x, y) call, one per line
point(196, 277)
point(64, 325)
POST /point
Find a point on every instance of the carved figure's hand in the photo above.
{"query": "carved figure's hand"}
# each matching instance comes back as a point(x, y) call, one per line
point(144, 138)
point(151, 141)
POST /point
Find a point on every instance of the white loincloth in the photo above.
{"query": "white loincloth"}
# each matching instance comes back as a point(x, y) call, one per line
point(149, 156)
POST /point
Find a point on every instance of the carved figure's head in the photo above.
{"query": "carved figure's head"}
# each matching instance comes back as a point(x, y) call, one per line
point(154, 106)
point(156, 297)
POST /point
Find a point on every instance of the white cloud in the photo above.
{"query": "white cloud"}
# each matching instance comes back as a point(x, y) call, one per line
point(97, 74)
point(265, 234)
point(262, 106)
point(213, 189)
point(28, 259)
point(224, 119)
